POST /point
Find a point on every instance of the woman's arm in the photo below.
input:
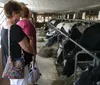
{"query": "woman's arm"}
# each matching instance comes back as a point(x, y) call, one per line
point(32, 43)
point(26, 46)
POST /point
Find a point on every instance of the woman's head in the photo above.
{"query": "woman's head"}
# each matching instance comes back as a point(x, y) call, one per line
point(25, 12)
point(12, 9)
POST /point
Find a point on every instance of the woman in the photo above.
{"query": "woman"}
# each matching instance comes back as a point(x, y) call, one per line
point(28, 27)
point(18, 39)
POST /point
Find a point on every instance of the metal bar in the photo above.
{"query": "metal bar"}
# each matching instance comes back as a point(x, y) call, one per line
point(3, 20)
point(77, 44)
point(1, 11)
point(80, 20)
point(75, 67)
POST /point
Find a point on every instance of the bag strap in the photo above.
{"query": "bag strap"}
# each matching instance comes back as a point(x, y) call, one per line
point(34, 63)
point(9, 42)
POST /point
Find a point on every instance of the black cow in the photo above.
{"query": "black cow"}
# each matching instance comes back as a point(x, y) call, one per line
point(89, 40)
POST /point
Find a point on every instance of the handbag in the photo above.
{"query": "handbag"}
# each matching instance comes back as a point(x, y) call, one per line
point(34, 74)
point(14, 69)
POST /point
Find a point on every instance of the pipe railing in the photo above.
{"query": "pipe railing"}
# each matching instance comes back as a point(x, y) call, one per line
point(80, 20)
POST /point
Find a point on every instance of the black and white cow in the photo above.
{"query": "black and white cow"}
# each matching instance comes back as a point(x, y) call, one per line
point(89, 40)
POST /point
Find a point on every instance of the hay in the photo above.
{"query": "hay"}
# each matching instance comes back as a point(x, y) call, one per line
point(61, 81)
point(40, 40)
point(47, 52)
point(64, 80)
point(41, 31)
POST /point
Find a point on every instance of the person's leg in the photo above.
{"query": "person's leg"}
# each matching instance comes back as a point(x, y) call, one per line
point(26, 72)
point(20, 81)
point(16, 81)
point(13, 81)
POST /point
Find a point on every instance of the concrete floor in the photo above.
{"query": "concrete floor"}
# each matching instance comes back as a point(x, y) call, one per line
point(46, 66)
point(47, 69)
